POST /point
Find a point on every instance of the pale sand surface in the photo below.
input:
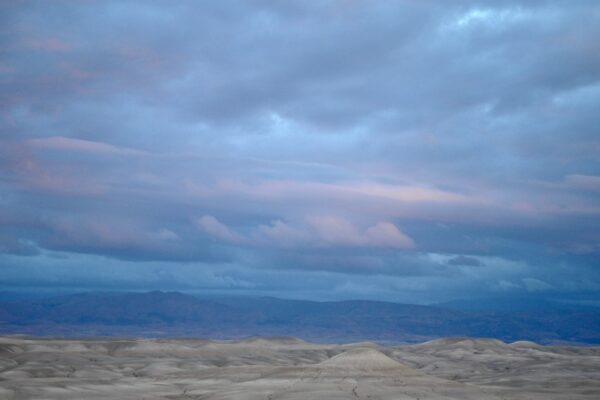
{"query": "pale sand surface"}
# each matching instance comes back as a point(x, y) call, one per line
point(292, 369)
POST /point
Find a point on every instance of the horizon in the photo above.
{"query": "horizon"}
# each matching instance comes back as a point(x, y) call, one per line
point(409, 152)
point(489, 303)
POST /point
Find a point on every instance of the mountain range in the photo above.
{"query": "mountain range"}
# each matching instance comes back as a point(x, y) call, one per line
point(170, 314)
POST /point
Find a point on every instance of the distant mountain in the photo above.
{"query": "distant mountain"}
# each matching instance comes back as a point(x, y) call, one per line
point(514, 303)
point(158, 314)
point(117, 309)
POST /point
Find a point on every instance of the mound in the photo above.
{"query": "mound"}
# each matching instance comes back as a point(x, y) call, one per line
point(360, 344)
point(525, 344)
point(364, 359)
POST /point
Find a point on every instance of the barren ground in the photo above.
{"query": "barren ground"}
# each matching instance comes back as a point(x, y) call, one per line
point(285, 368)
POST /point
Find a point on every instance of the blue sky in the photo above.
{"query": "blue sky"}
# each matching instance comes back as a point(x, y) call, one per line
point(412, 151)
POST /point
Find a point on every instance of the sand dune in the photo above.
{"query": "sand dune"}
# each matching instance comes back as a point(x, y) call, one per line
point(287, 368)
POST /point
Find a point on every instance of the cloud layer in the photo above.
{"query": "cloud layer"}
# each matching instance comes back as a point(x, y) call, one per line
point(413, 150)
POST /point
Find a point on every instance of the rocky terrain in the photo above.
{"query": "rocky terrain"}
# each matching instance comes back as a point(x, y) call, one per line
point(288, 368)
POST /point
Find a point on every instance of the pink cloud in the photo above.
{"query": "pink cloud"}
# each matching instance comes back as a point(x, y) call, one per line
point(385, 234)
point(106, 232)
point(316, 231)
point(41, 174)
point(75, 71)
point(216, 228)
point(52, 45)
point(6, 69)
point(410, 194)
point(338, 231)
point(71, 144)
point(99, 232)
point(335, 231)
point(286, 189)
point(373, 201)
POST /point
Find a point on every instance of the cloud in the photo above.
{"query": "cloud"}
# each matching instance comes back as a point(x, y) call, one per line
point(585, 182)
point(466, 261)
point(333, 230)
point(316, 231)
point(165, 234)
point(404, 140)
point(279, 233)
point(48, 44)
point(536, 285)
point(385, 234)
point(11, 245)
point(214, 227)
point(504, 285)
point(71, 144)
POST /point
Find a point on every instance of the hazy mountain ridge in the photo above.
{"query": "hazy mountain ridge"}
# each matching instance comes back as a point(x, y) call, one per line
point(156, 314)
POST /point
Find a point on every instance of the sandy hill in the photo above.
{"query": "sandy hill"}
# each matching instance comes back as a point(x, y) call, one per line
point(363, 359)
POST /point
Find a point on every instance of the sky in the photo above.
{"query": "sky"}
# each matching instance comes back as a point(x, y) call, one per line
point(411, 151)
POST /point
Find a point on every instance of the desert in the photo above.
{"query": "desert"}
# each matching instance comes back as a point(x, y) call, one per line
point(288, 368)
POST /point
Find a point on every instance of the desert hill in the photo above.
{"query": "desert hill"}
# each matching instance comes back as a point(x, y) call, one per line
point(282, 368)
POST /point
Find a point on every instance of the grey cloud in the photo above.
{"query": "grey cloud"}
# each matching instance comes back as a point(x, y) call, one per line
point(470, 127)
point(466, 261)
